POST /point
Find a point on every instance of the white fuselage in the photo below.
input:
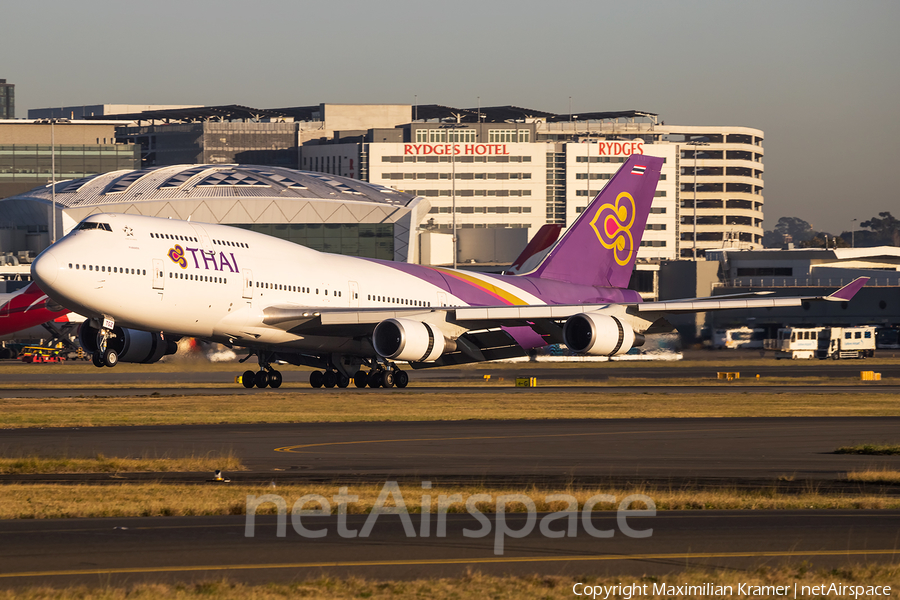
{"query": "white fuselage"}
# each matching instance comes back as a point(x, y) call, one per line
point(214, 282)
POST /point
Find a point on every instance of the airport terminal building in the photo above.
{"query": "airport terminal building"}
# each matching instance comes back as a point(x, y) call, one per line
point(510, 167)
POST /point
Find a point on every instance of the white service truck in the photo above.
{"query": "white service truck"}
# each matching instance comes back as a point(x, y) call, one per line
point(825, 342)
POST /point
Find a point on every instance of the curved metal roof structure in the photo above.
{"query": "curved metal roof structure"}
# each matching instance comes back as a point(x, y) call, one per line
point(227, 194)
point(186, 182)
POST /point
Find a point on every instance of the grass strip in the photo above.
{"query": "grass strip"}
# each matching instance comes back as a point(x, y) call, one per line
point(875, 476)
point(103, 464)
point(874, 449)
point(478, 585)
point(352, 405)
point(56, 501)
point(502, 381)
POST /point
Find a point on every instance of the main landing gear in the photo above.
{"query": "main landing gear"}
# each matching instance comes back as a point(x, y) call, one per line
point(262, 378)
point(378, 376)
point(265, 377)
point(329, 379)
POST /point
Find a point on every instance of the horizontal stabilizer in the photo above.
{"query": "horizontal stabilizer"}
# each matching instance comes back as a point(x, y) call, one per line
point(848, 291)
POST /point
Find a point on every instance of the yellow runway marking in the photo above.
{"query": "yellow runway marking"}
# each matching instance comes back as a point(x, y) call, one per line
point(503, 437)
point(455, 561)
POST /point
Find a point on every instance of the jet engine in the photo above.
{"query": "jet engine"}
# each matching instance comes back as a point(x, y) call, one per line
point(409, 340)
point(599, 334)
point(132, 345)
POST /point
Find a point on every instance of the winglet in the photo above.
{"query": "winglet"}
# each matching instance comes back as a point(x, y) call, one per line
point(848, 291)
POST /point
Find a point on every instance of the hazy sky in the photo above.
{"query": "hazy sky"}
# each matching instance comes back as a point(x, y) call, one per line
point(820, 78)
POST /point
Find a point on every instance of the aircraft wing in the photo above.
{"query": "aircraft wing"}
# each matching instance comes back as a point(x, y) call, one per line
point(497, 332)
point(730, 302)
point(338, 321)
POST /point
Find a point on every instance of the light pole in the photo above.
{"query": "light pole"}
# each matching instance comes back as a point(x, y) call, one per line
point(695, 144)
point(450, 141)
point(52, 121)
point(53, 180)
point(853, 234)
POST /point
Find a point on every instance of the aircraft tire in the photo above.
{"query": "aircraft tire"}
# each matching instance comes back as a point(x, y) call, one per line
point(401, 379)
point(247, 379)
point(275, 379)
point(374, 379)
point(343, 381)
point(261, 379)
point(360, 379)
point(330, 379)
point(387, 379)
point(97, 360)
point(110, 358)
point(316, 379)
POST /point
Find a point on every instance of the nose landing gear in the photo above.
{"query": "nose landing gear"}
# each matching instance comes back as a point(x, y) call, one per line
point(105, 356)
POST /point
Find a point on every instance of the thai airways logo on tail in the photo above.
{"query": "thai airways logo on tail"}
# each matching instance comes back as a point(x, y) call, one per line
point(600, 247)
point(615, 230)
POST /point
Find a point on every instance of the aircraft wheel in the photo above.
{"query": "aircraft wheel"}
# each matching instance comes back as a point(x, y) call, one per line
point(330, 379)
point(387, 379)
point(97, 360)
point(247, 379)
point(316, 379)
point(401, 379)
point(261, 379)
point(275, 379)
point(110, 358)
point(343, 381)
point(374, 379)
point(360, 379)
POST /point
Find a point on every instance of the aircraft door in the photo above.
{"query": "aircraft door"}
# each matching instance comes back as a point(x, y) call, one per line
point(248, 284)
point(158, 274)
point(442, 299)
point(205, 241)
point(354, 293)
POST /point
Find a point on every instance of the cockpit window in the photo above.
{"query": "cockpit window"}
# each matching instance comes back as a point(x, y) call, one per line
point(89, 225)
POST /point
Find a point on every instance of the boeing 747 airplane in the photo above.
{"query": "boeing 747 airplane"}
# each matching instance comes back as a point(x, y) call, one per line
point(145, 282)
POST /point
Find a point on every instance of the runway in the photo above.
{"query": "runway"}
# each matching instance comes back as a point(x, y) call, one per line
point(118, 550)
point(837, 377)
point(705, 369)
point(674, 450)
point(788, 454)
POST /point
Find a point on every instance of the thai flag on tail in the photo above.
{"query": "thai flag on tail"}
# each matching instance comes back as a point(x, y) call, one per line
point(638, 170)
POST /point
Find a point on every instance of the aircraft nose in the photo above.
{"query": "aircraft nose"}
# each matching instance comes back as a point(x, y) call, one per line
point(45, 269)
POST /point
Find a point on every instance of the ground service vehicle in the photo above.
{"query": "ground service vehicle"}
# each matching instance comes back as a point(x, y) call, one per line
point(824, 342)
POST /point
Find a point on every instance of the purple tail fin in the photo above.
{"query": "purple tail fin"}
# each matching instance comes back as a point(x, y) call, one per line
point(600, 247)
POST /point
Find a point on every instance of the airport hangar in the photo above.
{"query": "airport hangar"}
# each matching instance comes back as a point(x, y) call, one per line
point(324, 212)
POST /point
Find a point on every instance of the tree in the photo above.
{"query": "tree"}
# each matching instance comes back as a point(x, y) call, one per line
point(885, 228)
point(822, 238)
point(798, 229)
